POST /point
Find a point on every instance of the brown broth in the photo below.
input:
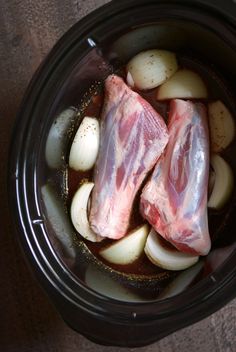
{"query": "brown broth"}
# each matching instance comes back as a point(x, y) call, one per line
point(95, 106)
point(141, 266)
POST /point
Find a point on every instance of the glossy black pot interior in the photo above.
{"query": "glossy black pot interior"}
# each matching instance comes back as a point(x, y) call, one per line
point(105, 306)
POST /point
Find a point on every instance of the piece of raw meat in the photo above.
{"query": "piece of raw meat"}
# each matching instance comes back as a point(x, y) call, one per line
point(174, 201)
point(133, 136)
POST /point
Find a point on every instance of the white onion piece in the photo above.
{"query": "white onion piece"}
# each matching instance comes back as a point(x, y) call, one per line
point(59, 220)
point(182, 282)
point(127, 249)
point(108, 286)
point(151, 68)
point(147, 37)
point(166, 258)
point(84, 149)
point(212, 179)
point(79, 215)
point(130, 80)
point(222, 126)
point(224, 182)
point(56, 143)
point(183, 84)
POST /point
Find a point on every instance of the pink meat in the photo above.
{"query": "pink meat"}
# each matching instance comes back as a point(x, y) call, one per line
point(133, 136)
point(174, 201)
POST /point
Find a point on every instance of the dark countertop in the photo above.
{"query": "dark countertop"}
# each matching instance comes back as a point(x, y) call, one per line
point(28, 30)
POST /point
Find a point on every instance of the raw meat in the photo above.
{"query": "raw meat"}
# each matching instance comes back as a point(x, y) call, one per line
point(133, 136)
point(174, 201)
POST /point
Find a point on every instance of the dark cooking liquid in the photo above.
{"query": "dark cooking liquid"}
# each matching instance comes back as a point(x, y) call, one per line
point(143, 266)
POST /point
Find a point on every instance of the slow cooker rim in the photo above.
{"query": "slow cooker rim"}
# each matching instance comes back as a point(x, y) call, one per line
point(17, 155)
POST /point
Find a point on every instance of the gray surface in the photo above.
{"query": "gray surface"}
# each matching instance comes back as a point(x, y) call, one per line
point(28, 322)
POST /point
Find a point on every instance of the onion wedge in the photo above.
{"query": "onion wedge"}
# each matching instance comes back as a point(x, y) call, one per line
point(182, 282)
point(183, 84)
point(127, 249)
point(129, 80)
point(59, 220)
point(166, 258)
point(151, 68)
point(101, 282)
point(84, 149)
point(79, 215)
point(222, 126)
point(223, 185)
point(56, 143)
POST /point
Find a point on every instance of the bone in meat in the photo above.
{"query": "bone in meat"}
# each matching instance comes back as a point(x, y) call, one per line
point(174, 201)
point(133, 136)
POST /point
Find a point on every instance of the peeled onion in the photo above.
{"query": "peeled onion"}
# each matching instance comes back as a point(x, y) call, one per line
point(223, 183)
point(183, 84)
point(170, 259)
point(222, 126)
point(58, 219)
point(182, 282)
point(127, 249)
point(129, 80)
point(84, 149)
point(151, 68)
point(79, 215)
point(56, 143)
point(108, 286)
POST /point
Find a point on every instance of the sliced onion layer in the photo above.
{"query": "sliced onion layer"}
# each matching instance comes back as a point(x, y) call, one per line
point(166, 258)
point(182, 282)
point(222, 126)
point(183, 84)
point(59, 220)
point(129, 80)
point(127, 249)
point(223, 184)
point(79, 215)
point(84, 149)
point(151, 68)
point(108, 286)
point(56, 143)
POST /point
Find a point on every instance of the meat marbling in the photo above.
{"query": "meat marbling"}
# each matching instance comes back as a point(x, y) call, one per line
point(174, 201)
point(133, 136)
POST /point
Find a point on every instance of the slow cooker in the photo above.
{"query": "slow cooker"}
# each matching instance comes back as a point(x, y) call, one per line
point(89, 298)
